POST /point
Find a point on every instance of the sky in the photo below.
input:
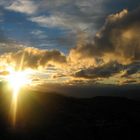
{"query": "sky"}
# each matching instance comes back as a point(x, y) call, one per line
point(72, 42)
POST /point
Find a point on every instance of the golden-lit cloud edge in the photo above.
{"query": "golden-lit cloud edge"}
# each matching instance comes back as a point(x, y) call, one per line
point(112, 56)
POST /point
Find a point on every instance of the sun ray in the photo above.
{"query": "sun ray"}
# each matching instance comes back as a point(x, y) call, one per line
point(16, 80)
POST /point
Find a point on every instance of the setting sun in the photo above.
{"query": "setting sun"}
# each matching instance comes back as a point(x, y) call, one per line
point(17, 80)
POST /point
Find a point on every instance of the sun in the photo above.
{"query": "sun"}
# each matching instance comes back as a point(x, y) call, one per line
point(16, 80)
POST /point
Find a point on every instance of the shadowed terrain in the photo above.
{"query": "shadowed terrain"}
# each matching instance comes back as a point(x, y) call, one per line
point(50, 116)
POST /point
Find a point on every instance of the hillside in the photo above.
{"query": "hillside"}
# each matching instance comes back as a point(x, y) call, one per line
point(47, 116)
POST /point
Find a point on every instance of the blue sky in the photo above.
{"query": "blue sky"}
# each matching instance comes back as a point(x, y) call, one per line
point(54, 24)
point(17, 27)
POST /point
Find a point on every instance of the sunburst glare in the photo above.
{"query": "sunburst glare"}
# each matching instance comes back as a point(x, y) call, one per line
point(17, 80)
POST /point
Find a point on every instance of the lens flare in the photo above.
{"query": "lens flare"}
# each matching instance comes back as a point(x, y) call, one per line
point(16, 80)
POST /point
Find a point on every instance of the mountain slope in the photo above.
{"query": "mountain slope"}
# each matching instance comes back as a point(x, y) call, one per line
point(53, 116)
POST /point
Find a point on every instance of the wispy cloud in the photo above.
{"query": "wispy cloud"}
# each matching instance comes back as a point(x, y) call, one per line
point(23, 6)
point(64, 22)
point(39, 34)
point(74, 15)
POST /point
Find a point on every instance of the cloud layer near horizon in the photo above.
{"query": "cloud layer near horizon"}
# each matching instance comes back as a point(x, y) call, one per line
point(113, 53)
point(33, 58)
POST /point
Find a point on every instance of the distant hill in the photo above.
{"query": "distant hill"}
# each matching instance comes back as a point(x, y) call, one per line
point(48, 116)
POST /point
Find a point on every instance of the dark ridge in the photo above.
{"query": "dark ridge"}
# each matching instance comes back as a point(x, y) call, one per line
point(50, 116)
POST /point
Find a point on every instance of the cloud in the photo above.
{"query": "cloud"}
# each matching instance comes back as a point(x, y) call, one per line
point(23, 6)
point(76, 15)
point(111, 53)
point(2, 36)
point(109, 70)
point(73, 15)
point(61, 21)
point(112, 56)
point(129, 81)
point(1, 17)
point(104, 71)
point(7, 46)
point(39, 34)
point(33, 58)
point(118, 40)
point(131, 69)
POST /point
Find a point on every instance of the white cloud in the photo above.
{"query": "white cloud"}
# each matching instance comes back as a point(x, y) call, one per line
point(23, 6)
point(65, 21)
point(39, 34)
point(75, 15)
point(7, 47)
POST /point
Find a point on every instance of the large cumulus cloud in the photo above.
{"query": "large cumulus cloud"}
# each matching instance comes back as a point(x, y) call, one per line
point(114, 53)
point(118, 40)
